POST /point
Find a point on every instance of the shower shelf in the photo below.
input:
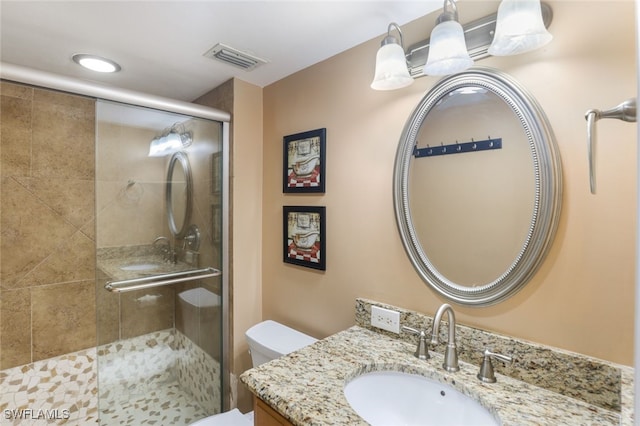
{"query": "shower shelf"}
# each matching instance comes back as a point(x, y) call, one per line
point(160, 280)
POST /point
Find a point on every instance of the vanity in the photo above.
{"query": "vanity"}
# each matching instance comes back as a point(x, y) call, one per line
point(307, 386)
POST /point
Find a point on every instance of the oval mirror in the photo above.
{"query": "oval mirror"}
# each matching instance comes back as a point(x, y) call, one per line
point(477, 187)
point(178, 194)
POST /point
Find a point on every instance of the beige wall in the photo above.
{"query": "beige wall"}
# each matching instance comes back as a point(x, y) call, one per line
point(247, 222)
point(582, 297)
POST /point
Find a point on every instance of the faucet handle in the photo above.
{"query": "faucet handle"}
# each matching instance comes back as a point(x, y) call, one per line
point(422, 351)
point(486, 373)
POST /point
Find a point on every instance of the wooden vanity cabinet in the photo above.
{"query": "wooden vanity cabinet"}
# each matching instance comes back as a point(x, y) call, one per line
point(267, 416)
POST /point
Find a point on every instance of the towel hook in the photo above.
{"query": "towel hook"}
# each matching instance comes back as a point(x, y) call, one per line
point(626, 111)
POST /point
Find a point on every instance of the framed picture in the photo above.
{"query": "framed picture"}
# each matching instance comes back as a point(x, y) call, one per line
point(304, 162)
point(304, 236)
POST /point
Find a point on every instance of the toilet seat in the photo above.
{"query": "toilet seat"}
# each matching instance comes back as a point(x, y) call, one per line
point(228, 418)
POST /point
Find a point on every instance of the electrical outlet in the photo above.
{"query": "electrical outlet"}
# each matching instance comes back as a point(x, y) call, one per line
point(385, 319)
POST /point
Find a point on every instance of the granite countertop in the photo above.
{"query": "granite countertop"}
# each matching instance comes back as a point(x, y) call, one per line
point(306, 387)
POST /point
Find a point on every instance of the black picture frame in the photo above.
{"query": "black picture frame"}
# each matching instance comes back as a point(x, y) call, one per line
point(304, 241)
point(304, 162)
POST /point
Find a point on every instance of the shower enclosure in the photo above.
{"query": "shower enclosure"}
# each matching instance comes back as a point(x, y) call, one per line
point(113, 264)
point(159, 260)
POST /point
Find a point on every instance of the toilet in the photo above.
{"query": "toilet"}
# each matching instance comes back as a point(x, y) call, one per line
point(267, 341)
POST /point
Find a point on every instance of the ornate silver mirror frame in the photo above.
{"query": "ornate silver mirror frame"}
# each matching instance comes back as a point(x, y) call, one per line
point(546, 203)
point(178, 198)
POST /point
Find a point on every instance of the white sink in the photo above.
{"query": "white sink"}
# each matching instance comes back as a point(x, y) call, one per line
point(140, 267)
point(385, 398)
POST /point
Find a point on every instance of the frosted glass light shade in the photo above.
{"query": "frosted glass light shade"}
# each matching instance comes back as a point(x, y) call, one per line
point(447, 50)
point(165, 145)
point(519, 28)
point(391, 68)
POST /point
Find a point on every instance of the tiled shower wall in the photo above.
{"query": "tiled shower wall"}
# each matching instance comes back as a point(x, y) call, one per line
point(47, 211)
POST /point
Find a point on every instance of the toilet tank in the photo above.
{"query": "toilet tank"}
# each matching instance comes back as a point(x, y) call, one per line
point(269, 340)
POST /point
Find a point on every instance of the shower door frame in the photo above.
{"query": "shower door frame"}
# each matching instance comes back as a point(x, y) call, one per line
point(65, 84)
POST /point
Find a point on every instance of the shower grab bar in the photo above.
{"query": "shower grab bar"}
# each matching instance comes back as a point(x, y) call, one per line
point(159, 280)
point(626, 111)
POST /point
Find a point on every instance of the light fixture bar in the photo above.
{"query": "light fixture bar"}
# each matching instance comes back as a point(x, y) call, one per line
point(478, 35)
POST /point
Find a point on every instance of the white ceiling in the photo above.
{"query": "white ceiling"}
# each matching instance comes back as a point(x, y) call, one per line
point(160, 44)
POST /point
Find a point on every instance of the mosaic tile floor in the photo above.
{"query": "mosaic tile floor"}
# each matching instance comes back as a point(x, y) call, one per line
point(156, 379)
point(61, 391)
point(167, 405)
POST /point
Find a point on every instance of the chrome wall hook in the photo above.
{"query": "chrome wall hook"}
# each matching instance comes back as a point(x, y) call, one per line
point(626, 111)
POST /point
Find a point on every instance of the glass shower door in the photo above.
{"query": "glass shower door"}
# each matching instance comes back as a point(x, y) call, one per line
point(159, 253)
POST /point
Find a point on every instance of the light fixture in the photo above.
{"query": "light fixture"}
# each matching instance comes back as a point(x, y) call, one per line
point(172, 140)
point(519, 28)
point(95, 63)
point(391, 63)
point(447, 50)
point(478, 37)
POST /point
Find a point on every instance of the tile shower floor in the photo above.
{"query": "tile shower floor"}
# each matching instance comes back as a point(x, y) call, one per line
point(166, 405)
point(155, 379)
point(158, 379)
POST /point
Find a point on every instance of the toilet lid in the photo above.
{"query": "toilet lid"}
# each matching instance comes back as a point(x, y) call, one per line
point(277, 339)
point(229, 418)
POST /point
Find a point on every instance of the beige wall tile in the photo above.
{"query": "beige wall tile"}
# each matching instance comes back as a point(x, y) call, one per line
point(15, 136)
point(15, 328)
point(73, 260)
point(16, 90)
point(89, 229)
point(72, 199)
point(107, 312)
point(16, 112)
point(47, 223)
point(210, 331)
point(63, 318)
point(187, 319)
point(31, 232)
point(145, 311)
point(130, 216)
point(63, 99)
point(63, 139)
point(201, 325)
point(123, 154)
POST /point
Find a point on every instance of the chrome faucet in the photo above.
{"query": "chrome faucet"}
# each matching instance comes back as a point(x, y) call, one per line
point(168, 253)
point(451, 353)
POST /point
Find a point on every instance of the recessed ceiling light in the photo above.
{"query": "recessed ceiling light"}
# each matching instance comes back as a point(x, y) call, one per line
point(95, 63)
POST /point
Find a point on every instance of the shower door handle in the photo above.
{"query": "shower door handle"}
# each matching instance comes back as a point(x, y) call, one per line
point(159, 280)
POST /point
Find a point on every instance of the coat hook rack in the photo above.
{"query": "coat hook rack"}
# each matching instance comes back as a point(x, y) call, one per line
point(458, 148)
point(626, 111)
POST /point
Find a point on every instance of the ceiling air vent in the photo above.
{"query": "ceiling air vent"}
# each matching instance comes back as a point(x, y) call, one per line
point(234, 57)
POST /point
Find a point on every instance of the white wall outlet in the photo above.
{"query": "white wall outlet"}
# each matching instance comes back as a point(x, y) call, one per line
point(385, 319)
